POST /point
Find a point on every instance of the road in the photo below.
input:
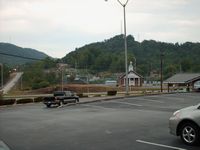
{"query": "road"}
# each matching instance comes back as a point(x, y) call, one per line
point(12, 82)
point(137, 123)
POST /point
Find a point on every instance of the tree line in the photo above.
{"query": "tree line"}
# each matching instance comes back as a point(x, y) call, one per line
point(108, 55)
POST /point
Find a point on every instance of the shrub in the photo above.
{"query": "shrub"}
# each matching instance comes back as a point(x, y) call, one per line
point(1, 95)
point(44, 84)
point(23, 101)
point(98, 95)
point(85, 96)
point(111, 93)
point(38, 99)
point(81, 95)
point(38, 85)
point(7, 102)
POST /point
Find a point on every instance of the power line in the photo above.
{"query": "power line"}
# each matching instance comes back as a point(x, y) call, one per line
point(12, 55)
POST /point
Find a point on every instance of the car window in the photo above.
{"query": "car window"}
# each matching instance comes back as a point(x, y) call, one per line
point(58, 94)
point(68, 93)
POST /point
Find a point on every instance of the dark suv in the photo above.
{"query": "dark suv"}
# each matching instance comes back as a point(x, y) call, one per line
point(61, 97)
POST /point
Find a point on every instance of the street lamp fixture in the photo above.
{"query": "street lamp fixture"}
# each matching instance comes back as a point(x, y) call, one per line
point(123, 4)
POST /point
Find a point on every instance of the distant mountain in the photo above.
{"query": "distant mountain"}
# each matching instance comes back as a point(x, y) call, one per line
point(14, 55)
point(108, 55)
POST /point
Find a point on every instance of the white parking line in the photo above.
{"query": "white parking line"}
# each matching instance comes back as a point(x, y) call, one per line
point(126, 103)
point(143, 99)
point(99, 107)
point(168, 97)
point(160, 145)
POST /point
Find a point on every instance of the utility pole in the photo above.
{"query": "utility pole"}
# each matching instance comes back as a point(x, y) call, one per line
point(1, 75)
point(21, 87)
point(135, 63)
point(62, 79)
point(161, 71)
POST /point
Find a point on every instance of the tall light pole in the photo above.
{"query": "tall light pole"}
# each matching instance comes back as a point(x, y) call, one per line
point(161, 71)
point(125, 42)
point(61, 69)
point(1, 75)
point(62, 79)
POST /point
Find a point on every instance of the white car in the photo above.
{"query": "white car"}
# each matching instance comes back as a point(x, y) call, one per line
point(186, 124)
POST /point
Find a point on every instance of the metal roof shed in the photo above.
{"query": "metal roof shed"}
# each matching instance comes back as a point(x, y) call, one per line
point(183, 79)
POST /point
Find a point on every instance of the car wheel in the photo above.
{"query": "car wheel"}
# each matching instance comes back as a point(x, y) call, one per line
point(48, 105)
point(190, 133)
point(77, 100)
point(61, 103)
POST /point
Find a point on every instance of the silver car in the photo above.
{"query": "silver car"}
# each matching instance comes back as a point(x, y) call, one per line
point(186, 124)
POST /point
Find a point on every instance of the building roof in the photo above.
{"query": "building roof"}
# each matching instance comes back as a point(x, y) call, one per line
point(131, 72)
point(183, 78)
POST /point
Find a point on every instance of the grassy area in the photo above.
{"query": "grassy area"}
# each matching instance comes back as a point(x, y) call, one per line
point(85, 88)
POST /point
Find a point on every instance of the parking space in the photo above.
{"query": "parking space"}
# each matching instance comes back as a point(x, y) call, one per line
point(139, 123)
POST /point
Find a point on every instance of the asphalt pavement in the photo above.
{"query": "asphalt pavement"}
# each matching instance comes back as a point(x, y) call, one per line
point(133, 123)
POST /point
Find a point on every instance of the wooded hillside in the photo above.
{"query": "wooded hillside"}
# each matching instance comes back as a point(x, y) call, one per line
point(108, 55)
point(7, 50)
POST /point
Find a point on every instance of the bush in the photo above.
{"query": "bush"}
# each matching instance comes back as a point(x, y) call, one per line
point(44, 84)
point(38, 85)
point(112, 93)
point(38, 99)
point(81, 95)
point(23, 101)
point(98, 95)
point(7, 102)
point(1, 95)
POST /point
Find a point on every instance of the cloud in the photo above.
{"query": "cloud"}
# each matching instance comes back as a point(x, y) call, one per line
point(63, 25)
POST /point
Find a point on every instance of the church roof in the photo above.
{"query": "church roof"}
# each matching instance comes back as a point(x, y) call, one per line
point(130, 73)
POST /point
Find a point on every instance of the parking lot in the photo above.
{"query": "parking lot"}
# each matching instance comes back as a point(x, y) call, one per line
point(134, 123)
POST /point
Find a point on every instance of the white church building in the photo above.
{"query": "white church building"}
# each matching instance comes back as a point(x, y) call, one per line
point(134, 79)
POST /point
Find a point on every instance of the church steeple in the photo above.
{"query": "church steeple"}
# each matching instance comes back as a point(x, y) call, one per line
point(130, 68)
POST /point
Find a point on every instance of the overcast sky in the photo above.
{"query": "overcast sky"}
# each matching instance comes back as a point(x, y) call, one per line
point(57, 27)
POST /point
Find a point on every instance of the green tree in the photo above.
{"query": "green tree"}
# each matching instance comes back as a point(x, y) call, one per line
point(186, 65)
